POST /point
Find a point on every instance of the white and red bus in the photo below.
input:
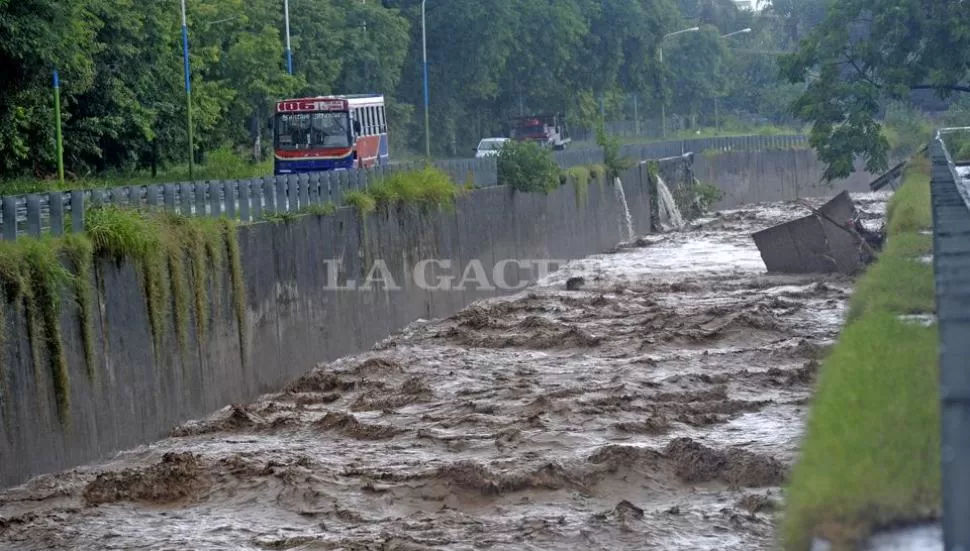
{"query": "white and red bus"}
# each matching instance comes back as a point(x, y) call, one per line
point(330, 133)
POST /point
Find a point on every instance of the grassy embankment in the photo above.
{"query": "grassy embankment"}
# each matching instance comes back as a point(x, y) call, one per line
point(220, 165)
point(871, 452)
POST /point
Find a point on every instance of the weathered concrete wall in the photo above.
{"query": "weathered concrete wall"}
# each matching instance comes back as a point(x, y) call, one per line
point(293, 320)
point(781, 175)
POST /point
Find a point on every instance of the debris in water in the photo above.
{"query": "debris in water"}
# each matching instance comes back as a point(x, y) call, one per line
point(831, 239)
point(575, 283)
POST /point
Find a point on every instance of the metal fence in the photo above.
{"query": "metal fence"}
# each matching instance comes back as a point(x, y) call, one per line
point(251, 199)
point(245, 200)
point(951, 267)
point(662, 150)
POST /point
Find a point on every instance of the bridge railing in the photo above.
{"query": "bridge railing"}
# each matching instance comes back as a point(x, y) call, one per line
point(251, 199)
point(951, 267)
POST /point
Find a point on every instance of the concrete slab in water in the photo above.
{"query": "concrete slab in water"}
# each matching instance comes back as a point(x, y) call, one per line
point(812, 244)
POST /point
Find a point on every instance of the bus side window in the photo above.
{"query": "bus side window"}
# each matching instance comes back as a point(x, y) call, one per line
point(381, 120)
point(370, 121)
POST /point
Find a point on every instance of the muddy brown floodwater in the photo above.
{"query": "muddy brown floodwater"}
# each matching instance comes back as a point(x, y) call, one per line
point(659, 406)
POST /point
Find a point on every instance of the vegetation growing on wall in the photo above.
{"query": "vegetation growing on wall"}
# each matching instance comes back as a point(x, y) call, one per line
point(164, 247)
point(32, 274)
point(80, 255)
point(426, 187)
point(362, 201)
point(580, 178)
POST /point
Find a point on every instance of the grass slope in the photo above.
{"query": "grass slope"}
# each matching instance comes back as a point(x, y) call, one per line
point(871, 452)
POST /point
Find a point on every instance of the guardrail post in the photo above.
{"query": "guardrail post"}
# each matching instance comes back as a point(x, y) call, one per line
point(293, 193)
point(200, 189)
point(186, 190)
point(231, 188)
point(117, 196)
point(282, 205)
point(256, 199)
point(215, 198)
point(168, 197)
point(77, 211)
point(313, 188)
point(269, 195)
point(244, 200)
point(33, 215)
point(9, 218)
point(56, 201)
point(152, 195)
point(331, 186)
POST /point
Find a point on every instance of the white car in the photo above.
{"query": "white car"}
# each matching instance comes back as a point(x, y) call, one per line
point(489, 147)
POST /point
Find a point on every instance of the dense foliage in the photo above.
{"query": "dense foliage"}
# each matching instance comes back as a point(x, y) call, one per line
point(867, 53)
point(524, 166)
point(121, 68)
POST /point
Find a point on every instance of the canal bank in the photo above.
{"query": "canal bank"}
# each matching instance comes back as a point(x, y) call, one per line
point(657, 404)
point(871, 452)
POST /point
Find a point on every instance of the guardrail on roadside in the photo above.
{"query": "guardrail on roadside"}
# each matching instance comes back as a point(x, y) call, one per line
point(951, 267)
point(250, 199)
point(245, 200)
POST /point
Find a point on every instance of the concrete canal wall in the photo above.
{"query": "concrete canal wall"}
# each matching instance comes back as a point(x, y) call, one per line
point(294, 317)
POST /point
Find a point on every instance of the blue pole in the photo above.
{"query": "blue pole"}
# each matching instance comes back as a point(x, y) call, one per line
point(427, 117)
point(289, 49)
point(188, 89)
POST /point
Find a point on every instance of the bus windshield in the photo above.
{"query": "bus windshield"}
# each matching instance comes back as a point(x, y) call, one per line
point(296, 131)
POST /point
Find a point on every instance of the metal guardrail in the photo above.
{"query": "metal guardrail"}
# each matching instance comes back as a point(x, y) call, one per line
point(663, 150)
point(244, 200)
point(951, 267)
point(250, 199)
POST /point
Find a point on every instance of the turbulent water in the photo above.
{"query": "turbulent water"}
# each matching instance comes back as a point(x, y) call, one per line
point(669, 212)
point(657, 407)
point(621, 195)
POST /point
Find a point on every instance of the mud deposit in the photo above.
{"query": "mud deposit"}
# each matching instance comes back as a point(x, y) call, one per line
point(656, 405)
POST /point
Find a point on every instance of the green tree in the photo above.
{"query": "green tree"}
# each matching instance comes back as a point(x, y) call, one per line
point(692, 64)
point(866, 52)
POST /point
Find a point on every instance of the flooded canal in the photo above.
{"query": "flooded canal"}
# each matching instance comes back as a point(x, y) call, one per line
point(656, 405)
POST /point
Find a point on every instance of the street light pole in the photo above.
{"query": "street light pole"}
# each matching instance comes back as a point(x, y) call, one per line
point(188, 88)
point(717, 118)
point(660, 50)
point(289, 50)
point(427, 117)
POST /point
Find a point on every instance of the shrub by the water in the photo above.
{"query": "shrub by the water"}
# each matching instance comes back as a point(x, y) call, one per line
point(527, 167)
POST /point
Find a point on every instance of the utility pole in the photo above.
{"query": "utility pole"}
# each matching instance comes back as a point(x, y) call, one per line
point(660, 50)
point(717, 118)
point(188, 89)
